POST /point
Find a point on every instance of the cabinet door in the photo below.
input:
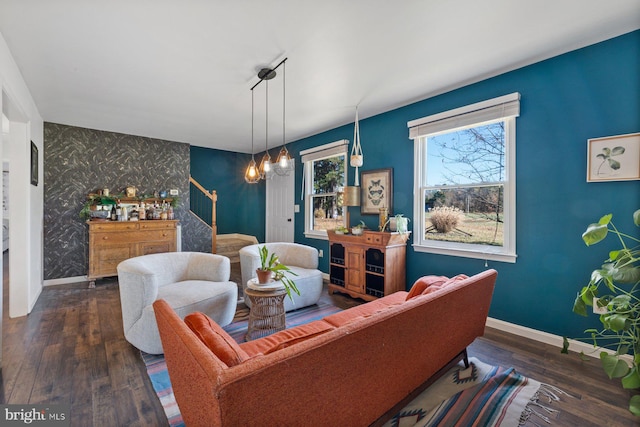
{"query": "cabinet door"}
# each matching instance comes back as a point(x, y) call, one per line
point(355, 268)
point(105, 259)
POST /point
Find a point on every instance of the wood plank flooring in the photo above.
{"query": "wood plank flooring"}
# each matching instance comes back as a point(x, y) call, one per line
point(71, 350)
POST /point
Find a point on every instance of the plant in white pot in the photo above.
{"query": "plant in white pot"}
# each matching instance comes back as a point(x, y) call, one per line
point(272, 268)
point(357, 230)
point(614, 293)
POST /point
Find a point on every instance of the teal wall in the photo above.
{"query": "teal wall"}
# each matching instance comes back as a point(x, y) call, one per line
point(588, 93)
point(240, 207)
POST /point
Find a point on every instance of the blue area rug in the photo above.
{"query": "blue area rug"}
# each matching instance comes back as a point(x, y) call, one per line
point(157, 368)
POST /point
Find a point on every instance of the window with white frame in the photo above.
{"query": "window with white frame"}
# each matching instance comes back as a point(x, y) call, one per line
point(464, 182)
point(324, 180)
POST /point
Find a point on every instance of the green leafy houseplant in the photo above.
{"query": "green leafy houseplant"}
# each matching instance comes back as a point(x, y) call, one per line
point(341, 230)
point(92, 200)
point(614, 292)
point(269, 264)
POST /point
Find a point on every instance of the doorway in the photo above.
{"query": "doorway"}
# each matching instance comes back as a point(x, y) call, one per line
point(279, 207)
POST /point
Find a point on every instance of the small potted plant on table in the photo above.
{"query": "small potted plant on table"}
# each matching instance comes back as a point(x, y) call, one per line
point(272, 268)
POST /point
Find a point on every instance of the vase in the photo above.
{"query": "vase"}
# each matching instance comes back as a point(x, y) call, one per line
point(402, 224)
point(384, 215)
point(264, 276)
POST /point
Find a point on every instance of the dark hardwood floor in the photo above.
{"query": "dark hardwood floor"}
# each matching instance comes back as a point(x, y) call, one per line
point(71, 350)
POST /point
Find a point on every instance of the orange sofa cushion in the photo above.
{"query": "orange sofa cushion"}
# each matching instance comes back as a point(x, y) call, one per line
point(285, 338)
point(216, 339)
point(423, 283)
point(429, 284)
point(365, 310)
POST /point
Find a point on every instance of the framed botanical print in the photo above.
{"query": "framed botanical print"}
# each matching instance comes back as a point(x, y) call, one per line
point(613, 158)
point(376, 191)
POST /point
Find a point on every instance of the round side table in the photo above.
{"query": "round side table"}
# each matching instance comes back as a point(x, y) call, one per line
point(267, 312)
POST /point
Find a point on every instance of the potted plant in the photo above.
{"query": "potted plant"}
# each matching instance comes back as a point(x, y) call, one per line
point(271, 267)
point(92, 201)
point(614, 294)
point(356, 230)
point(341, 230)
point(398, 223)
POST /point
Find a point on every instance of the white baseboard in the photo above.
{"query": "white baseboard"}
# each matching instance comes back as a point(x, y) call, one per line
point(65, 280)
point(547, 338)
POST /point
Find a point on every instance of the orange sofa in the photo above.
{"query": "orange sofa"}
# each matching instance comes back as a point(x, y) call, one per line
point(347, 369)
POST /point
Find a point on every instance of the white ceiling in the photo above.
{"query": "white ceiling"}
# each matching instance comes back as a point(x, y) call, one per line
point(182, 70)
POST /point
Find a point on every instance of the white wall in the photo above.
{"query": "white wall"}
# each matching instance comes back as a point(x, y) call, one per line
point(25, 234)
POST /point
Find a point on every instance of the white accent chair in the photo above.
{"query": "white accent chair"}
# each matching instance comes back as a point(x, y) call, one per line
point(188, 281)
point(301, 259)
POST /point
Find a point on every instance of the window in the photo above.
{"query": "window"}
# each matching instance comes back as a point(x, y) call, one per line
point(464, 183)
point(324, 179)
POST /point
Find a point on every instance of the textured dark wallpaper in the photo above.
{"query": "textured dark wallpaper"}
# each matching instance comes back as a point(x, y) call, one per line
point(78, 161)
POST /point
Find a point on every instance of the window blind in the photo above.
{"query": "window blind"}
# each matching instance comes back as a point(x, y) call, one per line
point(492, 109)
point(326, 150)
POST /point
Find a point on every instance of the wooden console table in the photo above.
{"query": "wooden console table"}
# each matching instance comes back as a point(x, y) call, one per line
point(368, 266)
point(111, 242)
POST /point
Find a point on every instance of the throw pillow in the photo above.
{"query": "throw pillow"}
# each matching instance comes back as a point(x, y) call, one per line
point(216, 339)
point(424, 283)
point(429, 284)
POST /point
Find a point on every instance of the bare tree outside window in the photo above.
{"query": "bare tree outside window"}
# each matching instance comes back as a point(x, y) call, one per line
point(464, 196)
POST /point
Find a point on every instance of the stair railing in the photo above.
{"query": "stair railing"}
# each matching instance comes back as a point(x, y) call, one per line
point(203, 205)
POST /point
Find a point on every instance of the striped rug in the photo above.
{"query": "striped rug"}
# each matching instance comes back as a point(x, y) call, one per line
point(482, 396)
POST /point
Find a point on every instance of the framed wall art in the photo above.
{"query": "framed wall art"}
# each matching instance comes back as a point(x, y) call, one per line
point(34, 164)
point(376, 191)
point(613, 158)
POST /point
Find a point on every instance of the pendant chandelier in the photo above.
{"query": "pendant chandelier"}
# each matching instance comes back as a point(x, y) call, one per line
point(251, 175)
point(284, 164)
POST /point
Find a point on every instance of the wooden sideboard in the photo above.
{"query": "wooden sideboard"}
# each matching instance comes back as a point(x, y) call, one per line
point(111, 242)
point(368, 266)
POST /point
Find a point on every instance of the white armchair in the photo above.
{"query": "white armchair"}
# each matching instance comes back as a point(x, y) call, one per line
point(301, 259)
point(188, 281)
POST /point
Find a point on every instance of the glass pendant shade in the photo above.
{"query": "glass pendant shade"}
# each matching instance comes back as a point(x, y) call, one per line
point(252, 175)
point(284, 163)
point(265, 166)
